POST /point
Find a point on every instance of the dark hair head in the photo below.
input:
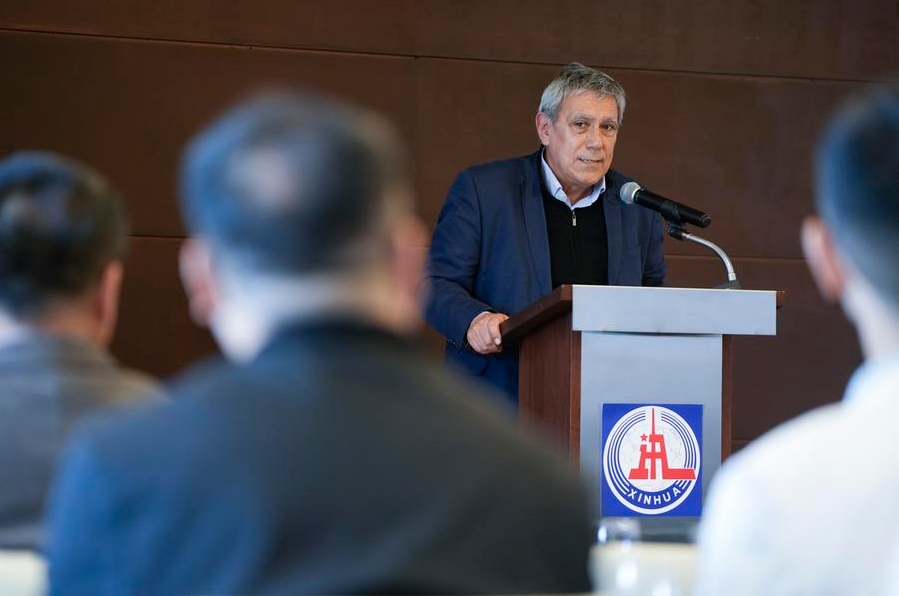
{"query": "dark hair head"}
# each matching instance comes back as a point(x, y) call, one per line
point(292, 184)
point(60, 225)
point(858, 187)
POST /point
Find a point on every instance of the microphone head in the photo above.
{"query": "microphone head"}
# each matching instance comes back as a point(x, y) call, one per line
point(629, 191)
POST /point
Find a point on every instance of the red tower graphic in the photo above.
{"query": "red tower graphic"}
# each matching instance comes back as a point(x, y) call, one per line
point(653, 452)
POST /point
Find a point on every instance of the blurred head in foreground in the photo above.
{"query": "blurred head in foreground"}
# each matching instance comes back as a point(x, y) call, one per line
point(62, 240)
point(852, 246)
point(760, 531)
point(297, 205)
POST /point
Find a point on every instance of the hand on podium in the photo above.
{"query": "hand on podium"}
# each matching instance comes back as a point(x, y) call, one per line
point(483, 334)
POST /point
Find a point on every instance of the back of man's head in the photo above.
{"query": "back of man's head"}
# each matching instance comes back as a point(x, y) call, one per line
point(293, 185)
point(60, 226)
point(858, 188)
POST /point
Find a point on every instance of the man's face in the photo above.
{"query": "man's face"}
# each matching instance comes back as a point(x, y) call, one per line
point(581, 142)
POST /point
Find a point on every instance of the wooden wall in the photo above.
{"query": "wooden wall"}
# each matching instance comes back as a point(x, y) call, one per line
point(726, 99)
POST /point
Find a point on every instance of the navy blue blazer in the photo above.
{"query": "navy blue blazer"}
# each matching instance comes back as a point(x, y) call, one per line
point(340, 461)
point(490, 251)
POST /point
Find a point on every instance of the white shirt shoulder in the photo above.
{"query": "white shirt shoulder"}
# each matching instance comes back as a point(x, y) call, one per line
point(787, 514)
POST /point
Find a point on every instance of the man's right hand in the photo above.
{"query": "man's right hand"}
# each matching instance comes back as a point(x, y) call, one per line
point(483, 334)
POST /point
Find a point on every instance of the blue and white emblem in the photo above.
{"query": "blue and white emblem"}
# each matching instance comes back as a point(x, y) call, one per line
point(651, 459)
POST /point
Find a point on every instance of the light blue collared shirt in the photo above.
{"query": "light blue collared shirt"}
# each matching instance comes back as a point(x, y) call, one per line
point(555, 188)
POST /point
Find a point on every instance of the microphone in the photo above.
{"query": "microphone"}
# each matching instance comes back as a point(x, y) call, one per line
point(672, 211)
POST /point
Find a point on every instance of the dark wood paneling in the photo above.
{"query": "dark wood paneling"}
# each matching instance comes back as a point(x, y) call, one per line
point(387, 26)
point(128, 107)
point(155, 332)
point(738, 147)
point(841, 39)
point(809, 361)
point(469, 113)
point(838, 39)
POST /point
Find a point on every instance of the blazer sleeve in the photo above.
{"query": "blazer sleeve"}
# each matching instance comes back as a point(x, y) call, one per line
point(454, 261)
point(79, 543)
point(654, 267)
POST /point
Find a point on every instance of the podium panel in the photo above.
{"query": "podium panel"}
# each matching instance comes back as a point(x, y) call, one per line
point(638, 369)
point(634, 383)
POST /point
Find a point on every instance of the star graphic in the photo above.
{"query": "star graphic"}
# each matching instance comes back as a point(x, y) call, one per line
point(643, 437)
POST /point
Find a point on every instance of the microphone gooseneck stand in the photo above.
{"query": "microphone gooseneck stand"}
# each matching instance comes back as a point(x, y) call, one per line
point(676, 230)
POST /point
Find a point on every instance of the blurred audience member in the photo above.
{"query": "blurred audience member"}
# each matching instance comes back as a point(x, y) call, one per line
point(810, 508)
point(324, 454)
point(62, 239)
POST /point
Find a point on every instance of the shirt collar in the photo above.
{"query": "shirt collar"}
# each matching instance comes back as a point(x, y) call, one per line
point(555, 187)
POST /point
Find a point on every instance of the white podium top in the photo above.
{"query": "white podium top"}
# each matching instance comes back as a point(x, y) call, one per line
point(626, 309)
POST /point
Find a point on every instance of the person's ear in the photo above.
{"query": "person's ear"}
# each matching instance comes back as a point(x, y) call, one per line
point(105, 301)
point(198, 279)
point(408, 249)
point(822, 259)
point(542, 123)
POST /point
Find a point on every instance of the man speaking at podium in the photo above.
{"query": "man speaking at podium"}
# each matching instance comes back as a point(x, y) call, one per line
point(510, 231)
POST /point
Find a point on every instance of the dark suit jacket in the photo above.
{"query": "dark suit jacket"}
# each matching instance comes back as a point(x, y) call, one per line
point(490, 251)
point(338, 462)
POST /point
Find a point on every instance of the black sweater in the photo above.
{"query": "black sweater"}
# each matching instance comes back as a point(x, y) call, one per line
point(578, 247)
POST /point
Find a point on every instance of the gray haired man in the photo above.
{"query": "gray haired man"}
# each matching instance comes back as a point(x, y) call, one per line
point(512, 230)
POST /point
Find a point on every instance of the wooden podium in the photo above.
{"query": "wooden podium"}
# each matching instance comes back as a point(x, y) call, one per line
point(581, 347)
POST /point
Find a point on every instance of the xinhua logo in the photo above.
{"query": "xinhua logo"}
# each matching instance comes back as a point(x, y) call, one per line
point(651, 459)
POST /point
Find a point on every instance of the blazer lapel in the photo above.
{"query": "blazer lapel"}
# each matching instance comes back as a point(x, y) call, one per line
point(612, 209)
point(535, 224)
